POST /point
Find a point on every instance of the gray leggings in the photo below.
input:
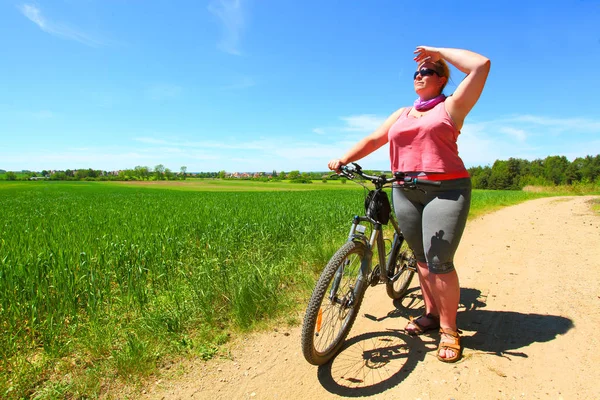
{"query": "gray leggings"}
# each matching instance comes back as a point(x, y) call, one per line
point(433, 222)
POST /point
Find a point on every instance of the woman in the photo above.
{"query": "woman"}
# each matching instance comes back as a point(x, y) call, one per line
point(423, 143)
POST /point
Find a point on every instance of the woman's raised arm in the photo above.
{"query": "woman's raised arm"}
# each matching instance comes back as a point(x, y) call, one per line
point(477, 68)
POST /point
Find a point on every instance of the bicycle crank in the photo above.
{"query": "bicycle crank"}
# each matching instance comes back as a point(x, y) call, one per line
point(374, 277)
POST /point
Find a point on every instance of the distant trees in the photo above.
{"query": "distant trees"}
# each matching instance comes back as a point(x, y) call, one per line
point(142, 172)
point(59, 176)
point(86, 173)
point(515, 173)
point(511, 174)
point(293, 175)
point(169, 175)
point(159, 172)
point(206, 175)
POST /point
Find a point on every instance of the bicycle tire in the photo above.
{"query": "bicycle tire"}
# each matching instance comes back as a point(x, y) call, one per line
point(327, 322)
point(402, 265)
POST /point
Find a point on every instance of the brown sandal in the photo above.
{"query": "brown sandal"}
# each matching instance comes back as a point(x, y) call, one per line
point(419, 328)
point(454, 345)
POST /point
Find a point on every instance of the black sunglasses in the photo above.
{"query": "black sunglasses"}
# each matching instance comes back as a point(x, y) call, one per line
point(425, 72)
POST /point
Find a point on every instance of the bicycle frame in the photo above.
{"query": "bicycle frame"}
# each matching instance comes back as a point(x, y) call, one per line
point(376, 240)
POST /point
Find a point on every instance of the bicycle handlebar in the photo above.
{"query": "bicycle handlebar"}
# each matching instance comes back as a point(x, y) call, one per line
point(381, 180)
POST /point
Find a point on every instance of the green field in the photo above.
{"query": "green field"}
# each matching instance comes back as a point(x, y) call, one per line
point(103, 282)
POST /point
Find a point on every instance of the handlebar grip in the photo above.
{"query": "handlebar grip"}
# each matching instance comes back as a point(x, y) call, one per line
point(427, 183)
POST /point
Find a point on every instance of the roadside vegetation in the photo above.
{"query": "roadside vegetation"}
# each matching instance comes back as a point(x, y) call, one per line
point(516, 173)
point(104, 284)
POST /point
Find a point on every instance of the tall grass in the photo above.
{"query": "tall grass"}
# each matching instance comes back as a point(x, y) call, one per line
point(101, 280)
point(121, 276)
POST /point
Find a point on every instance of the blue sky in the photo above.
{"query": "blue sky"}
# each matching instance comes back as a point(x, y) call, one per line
point(262, 85)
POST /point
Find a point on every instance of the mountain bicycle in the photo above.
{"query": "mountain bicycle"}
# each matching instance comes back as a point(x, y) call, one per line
point(338, 294)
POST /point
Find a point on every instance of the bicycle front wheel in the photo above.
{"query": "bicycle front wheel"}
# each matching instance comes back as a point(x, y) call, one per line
point(403, 270)
point(334, 304)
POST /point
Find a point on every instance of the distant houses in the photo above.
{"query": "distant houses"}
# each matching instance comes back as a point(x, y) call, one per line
point(249, 175)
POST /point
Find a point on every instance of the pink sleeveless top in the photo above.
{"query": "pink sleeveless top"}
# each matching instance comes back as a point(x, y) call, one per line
point(426, 144)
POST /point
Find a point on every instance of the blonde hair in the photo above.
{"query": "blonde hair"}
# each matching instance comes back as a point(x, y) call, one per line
point(442, 68)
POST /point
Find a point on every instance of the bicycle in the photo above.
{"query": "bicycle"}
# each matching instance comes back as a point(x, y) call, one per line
point(340, 289)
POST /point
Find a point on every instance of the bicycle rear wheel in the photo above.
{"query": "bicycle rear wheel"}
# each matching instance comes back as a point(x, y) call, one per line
point(334, 304)
point(403, 271)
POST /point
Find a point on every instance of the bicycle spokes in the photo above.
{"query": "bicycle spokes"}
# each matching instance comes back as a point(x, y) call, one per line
point(333, 313)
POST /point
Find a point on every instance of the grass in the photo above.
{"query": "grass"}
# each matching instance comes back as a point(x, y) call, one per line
point(102, 283)
point(238, 185)
point(118, 277)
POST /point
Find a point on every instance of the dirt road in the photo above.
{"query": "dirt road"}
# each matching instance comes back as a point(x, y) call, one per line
point(530, 315)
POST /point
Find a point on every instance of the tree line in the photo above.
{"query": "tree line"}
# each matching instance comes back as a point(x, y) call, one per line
point(159, 172)
point(138, 173)
point(511, 174)
point(516, 173)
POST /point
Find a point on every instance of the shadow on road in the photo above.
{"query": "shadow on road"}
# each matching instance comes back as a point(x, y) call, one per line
point(501, 332)
point(496, 332)
point(371, 363)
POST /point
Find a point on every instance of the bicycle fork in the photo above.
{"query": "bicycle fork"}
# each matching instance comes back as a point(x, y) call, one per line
point(347, 300)
point(365, 267)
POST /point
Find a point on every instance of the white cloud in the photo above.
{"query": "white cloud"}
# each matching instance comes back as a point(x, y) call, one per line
point(211, 144)
point(578, 124)
point(34, 14)
point(518, 134)
point(362, 123)
point(106, 158)
point(529, 137)
point(477, 147)
point(480, 143)
point(231, 15)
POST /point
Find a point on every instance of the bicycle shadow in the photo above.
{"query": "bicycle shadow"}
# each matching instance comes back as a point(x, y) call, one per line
point(371, 363)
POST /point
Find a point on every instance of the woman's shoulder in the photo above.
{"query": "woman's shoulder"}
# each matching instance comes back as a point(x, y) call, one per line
point(401, 111)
